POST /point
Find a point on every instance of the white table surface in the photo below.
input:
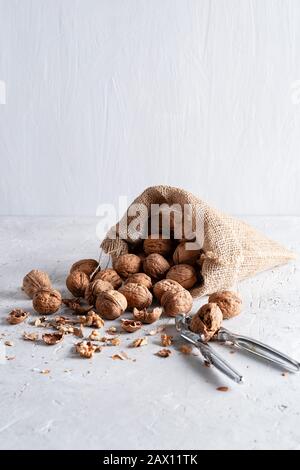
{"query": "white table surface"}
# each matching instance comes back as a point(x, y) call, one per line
point(151, 403)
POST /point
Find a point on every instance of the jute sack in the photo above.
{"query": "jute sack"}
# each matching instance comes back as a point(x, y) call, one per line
point(233, 250)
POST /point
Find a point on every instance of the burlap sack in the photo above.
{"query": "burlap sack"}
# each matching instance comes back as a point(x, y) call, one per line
point(233, 250)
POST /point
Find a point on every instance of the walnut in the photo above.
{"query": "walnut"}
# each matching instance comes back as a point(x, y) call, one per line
point(111, 304)
point(92, 319)
point(230, 303)
point(35, 280)
point(145, 316)
point(87, 266)
point(87, 349)
point(156, 266)
point(166, 285)
point(166, 340)
point(94, 289)
point(137, 295)
point(17, 316)
point(177, 302)
point(77, 282)
point(131, 325)
point(140, 278)
point(127, 264)
point(207, 321)
point(157, 244)
point(110, 275)
point(137, 343)
point(46, 301)
point(52, 338)
point(184, 274)
point(164, 353)
point(182, 255)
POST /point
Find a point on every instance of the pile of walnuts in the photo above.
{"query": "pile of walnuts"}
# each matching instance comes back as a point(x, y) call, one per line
point(160, 272)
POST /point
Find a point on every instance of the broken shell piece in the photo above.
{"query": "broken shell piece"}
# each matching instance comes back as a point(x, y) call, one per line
point(17, 316)
point(86, 349)
point(52, 338)
point(137, 343)
point(164, 353)
point(131, 325)
point(30, 336)
point(147, 316)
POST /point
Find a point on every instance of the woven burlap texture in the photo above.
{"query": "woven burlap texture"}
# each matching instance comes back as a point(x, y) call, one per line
point(233, 249)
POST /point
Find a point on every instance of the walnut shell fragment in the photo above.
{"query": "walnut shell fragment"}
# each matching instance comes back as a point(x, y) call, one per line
point(109, 275)
point(87, 266)
point(177, 302)
point(136, 295)
point(52, 338)
point(111, 304)
point(164, 353)
point(147, 316)
point(30, 336)
point(207, 321)
point(35, 280)
point(137, 343)
point(131, 325)
point(230, 303)
point(17, 316)
point(46, 301)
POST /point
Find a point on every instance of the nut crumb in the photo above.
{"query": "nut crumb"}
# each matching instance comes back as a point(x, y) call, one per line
point(45, 371)
point(87, 349)
point(222, 389)
point(137, 343)
point(53, 338)
point(166, 340)
point(185, 349)
point(30, 336)
point(164, 353)
point(9, 343)
point(10, 358)
point(17, 316)
point(111, 330)
point(156, 331)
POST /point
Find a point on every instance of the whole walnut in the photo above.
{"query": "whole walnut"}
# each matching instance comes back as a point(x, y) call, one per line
point(165, 285)
point(184, 274)
point(156, 266)
point(46, 301)
point(182, 255)
point(177, 302)
point(109, 275)
point(207, 321)
point(127, 264)
point(230, 303)
point(140, 278)
point(157, 244)
point(111, 304)
point(136, 295)
point(77, 282)
point(94, 289)
point(87, 266)
point(35, 280)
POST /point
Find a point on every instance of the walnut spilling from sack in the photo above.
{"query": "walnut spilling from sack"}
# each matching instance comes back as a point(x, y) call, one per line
point(86, 349)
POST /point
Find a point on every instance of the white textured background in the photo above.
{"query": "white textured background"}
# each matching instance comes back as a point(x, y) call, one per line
point(106, 97)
